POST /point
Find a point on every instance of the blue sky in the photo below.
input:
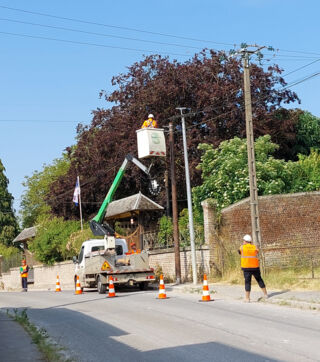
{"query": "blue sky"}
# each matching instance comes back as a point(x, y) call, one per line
point(49, 86)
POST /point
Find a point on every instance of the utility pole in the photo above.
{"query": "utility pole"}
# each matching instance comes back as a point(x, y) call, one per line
point(174, 207)
point(191, 228)
point(166, 183)
point(254, 208)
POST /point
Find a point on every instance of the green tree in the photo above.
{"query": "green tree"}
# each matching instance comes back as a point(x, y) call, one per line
point(8, 222)
point(34, 202)
point(305, 172)
point(225, 171)
point(308, 133)
point(50, 243)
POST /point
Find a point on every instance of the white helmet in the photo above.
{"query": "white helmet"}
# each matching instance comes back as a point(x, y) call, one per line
point(247, 238)
point(151, 116)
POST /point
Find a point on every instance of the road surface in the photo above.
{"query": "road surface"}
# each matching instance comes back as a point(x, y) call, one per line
point(135, 326)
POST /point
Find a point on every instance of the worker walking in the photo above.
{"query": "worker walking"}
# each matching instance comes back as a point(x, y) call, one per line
point(24, 275)
point(150, 122)
point(250, 266)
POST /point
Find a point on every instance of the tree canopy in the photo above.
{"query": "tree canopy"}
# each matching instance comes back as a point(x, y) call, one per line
point(33, 203)
point(225, 172)
point(209, 84)
point(8, 222)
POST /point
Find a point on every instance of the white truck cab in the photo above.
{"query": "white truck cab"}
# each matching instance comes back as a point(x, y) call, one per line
point(94, 246)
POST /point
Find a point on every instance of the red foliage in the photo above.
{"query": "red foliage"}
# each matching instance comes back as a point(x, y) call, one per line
point(208, 84)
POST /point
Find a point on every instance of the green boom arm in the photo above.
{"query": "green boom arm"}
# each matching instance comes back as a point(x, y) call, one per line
point(96, 224)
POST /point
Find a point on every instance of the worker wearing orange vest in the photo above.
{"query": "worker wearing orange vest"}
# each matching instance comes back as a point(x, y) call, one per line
point(150, 122)
point(250, 266)
point(24, 275)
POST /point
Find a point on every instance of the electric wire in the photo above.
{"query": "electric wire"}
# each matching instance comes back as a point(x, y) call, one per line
point(89, 44)
point(98, 34)
point(114, 26)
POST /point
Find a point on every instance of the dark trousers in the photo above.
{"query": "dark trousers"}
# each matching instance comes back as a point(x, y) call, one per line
point(248, 276)
point(24, 282)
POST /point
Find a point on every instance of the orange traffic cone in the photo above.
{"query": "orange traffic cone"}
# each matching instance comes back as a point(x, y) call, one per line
point(162, 289)
point(205, 290)
point(78, 286)
point(58, 289)
point(112, 292)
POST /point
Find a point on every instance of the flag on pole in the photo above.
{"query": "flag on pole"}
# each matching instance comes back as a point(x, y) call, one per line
point(76, 193)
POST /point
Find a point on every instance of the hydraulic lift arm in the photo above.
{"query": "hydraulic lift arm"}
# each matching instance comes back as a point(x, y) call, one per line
point(96, 224)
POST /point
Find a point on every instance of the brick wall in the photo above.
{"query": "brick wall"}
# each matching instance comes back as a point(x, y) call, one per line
point(289, 223)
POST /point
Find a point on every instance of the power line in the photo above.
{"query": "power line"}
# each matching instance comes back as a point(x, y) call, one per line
point(114, 26)
point(99, 34)
point(304, 66)
point(85, 43)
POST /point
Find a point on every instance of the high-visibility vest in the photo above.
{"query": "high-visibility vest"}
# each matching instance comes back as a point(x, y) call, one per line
point(24, 271)
point(150, 123)
point(249, 256)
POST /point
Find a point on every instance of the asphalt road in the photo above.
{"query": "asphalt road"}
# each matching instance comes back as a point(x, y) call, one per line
point(135, 326)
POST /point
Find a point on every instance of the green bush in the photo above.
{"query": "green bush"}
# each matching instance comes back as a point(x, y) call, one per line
point(8, 251)
point(50, 243)
point(165, 234)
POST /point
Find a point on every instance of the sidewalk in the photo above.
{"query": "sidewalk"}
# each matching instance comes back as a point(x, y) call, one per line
point(300, 299)
point(15, 343)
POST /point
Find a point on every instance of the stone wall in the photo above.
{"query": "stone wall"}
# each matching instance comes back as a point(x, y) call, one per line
point(45, 276)
point(166, 260)
point(289, 223)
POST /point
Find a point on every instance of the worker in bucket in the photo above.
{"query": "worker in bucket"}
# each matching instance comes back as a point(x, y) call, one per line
point(150, 122)
point(24, 275)
point(250, 266)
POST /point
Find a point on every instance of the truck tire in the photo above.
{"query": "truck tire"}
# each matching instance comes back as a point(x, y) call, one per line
point(101, 287)
point(143, 285)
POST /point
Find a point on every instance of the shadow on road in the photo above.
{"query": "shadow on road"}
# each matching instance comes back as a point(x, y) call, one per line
point(90, 339)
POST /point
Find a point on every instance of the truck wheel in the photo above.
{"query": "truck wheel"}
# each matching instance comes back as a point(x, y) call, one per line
point(143, 285)
point(101, 287)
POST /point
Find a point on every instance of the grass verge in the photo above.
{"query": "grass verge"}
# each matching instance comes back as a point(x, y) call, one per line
point(293, 279)
point(39, 336)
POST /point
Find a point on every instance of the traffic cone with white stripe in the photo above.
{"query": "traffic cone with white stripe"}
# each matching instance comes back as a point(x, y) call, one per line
point(78, 286)
point(112, 292)
point(205, 290)
point(162, 289)
point(58, 289)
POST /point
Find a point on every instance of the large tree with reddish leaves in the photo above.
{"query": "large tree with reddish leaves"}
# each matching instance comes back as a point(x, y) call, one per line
point(209, 84)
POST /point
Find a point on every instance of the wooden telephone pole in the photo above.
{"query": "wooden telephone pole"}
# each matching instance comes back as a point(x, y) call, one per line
point(254, 207)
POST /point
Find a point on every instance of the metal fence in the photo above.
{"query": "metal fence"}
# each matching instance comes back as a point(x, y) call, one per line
point(12, 261)
point(151, 241)
point(304, 258)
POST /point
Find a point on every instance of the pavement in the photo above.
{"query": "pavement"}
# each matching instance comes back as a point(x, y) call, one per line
point(298, 299)
point(16, 345)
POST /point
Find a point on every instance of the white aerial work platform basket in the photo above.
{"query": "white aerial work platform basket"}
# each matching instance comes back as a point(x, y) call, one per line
point(151, 142)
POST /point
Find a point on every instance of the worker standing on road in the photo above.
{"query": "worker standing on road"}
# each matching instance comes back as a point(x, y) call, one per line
point(24, 275)
point(150, 122)
point(250, 266)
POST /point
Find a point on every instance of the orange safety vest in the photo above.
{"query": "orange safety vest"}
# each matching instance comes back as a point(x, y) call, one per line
point(249, 256)
point(150, 123)
point(24, 271)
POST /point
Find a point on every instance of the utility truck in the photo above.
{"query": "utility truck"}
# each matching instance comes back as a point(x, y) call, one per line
point(101, 258)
